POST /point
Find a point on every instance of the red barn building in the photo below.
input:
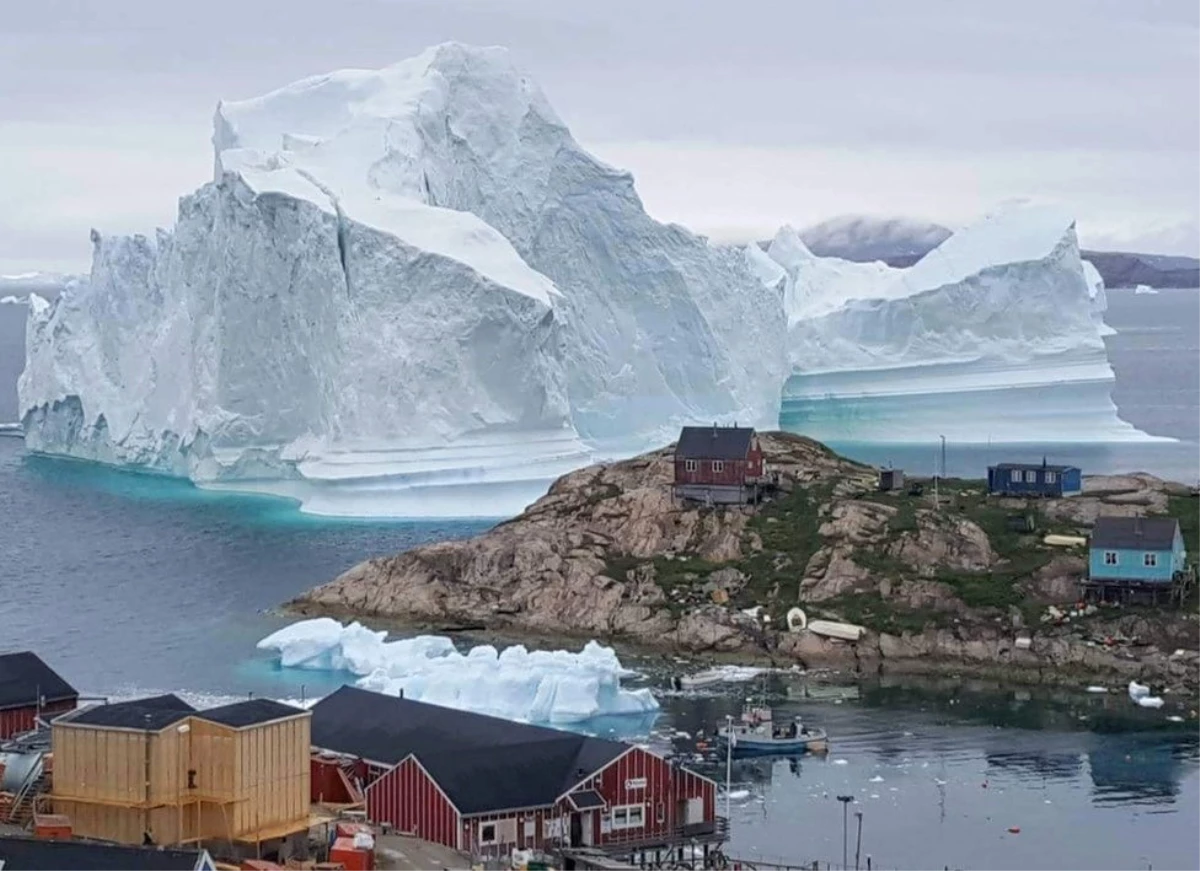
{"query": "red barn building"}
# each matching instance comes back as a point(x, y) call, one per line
point(30, 689)
point(487, 786)
point(718, 464)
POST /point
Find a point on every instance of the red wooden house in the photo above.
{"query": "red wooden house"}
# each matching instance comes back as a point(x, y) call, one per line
point(30, 689)
point(718, 464)
point(487, 786)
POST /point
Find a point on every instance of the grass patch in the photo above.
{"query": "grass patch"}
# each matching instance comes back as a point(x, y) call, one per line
point(983, 589)
point(1186, 509)
point(788, 528)
point(874, 612)
point(617, 566)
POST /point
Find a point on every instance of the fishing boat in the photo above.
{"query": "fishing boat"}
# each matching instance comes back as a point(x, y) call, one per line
point(757, 733)
point(712, 676)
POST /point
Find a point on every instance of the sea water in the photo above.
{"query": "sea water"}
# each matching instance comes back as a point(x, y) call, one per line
point(133, 584)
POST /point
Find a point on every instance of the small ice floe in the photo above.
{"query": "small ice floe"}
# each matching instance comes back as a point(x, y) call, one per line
point(684, 735)
point(1046, 801)
point(876, 779)
point(893, 789)
point(1175, 718)
point(1149, 701)
point(840, 762)
point(908, 734)
point(1095, 689)
point(738, 794)
point(874, 795)
point(939, 781)
point(1137, 690)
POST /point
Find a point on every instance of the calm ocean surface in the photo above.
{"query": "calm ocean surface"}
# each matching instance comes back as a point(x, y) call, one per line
point(132, 584)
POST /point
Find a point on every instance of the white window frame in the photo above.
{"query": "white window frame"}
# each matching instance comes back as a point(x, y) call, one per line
point(1051, 477)
point(1111, 558)
point(718, 465)
point(1150, 560)
point(495, 838)
point(1030, 476)
point(1016, 476)
point(691, 465)
point(628, 816)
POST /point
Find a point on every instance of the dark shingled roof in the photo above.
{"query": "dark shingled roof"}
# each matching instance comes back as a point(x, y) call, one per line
point(23, 677)
point(1032, 467)
point(1135, 533)
point(714, 442)
point(31, 854)
point(150, 714)
point(482, 763)
point(250, 713)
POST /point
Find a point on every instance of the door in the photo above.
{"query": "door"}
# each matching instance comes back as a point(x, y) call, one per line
point(576, 830)
point(695, 811)
point(586, 832)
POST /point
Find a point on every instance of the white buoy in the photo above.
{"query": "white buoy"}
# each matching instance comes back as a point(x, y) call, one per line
point(797, 620)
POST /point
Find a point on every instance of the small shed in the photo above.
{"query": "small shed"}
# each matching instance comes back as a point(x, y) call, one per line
point(1132, 558)
point(30, 689)
point(1034, 479)
point(718, 464)
point(891, 479)
point(156, 768)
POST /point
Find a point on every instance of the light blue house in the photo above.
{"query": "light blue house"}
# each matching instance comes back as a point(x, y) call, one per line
point(1135, 553)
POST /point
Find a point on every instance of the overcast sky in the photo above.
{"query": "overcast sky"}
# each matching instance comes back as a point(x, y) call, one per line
point(735, 117)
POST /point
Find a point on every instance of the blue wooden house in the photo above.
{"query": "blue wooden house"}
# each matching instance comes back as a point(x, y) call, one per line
point(1135, 555)
point(1034, 479)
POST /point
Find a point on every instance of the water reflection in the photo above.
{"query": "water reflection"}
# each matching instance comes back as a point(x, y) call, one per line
point(1139, 769)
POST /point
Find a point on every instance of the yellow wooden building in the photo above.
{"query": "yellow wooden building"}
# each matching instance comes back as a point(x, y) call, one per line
point(156, 769)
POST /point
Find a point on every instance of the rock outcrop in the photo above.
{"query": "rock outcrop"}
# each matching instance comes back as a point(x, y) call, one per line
point(609, 552)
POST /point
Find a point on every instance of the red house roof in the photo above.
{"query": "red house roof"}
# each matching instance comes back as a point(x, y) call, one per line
point(714, 442)
point(26, 681)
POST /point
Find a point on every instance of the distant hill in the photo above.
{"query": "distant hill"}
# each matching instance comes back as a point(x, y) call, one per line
point(903, 241)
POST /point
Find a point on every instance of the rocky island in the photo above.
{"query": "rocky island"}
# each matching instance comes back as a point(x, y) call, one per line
point(946, 585)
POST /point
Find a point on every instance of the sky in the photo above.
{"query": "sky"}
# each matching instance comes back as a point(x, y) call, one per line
point(735, 117)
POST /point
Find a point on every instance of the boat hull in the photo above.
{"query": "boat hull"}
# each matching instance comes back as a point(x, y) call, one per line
point(753, 745)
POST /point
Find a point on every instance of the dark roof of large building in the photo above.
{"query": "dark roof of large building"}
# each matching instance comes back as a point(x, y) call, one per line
point(1135, 533)
point(150, 714)
point(482, 763)
point(1033, 467)
point(714, 442)
point(33, 854)
point(24, 678)
point(250, 713)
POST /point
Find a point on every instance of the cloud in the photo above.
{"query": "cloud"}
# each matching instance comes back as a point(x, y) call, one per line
point(734, 117)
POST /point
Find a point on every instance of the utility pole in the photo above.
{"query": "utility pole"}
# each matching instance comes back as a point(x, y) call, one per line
point(845, 800)
point(728, 760)
point(943, 438)
point(858, 843)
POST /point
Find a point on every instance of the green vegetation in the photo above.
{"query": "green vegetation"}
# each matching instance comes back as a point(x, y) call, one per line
point(788, 529)
point(1186, 509)
point(872, 611)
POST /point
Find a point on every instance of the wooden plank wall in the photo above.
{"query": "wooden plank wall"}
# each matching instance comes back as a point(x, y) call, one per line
point(273, 774)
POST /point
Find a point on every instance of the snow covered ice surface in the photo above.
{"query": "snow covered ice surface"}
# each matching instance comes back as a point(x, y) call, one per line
point(996, 332)
point(410, 292)
point(534, 686)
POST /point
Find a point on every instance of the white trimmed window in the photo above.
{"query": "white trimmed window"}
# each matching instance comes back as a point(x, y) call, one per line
point(691, 465)
point(1110, 557)
point(1051, 477)
point(718, 465)
point(628, 816)
point(1150, 560)
point(1031, 477)
point(487, 833)
point(1016, 475)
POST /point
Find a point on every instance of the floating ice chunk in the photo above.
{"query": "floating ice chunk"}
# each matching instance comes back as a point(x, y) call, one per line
point(1095, 689)
point(738, 794)
point(536, 686)
point(1175, 718)
point(840, 762)
point(1137, 690)
point(876, 779)
point(1149, 701)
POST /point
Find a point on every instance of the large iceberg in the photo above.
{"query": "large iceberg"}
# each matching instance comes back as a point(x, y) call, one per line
point(410, 292)
point(514, 683)
point(997, 332)
point(401, 286)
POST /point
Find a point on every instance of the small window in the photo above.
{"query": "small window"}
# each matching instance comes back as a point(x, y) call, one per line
point(1150, 560)
point(1110, 557)
point(1016, 475)
point(661, 814)
point(629, 816)
point(718, 465)
point(487, 833)
point(1030, 477)
point(191, 778)
point(1051, 477)
point(690, 465)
